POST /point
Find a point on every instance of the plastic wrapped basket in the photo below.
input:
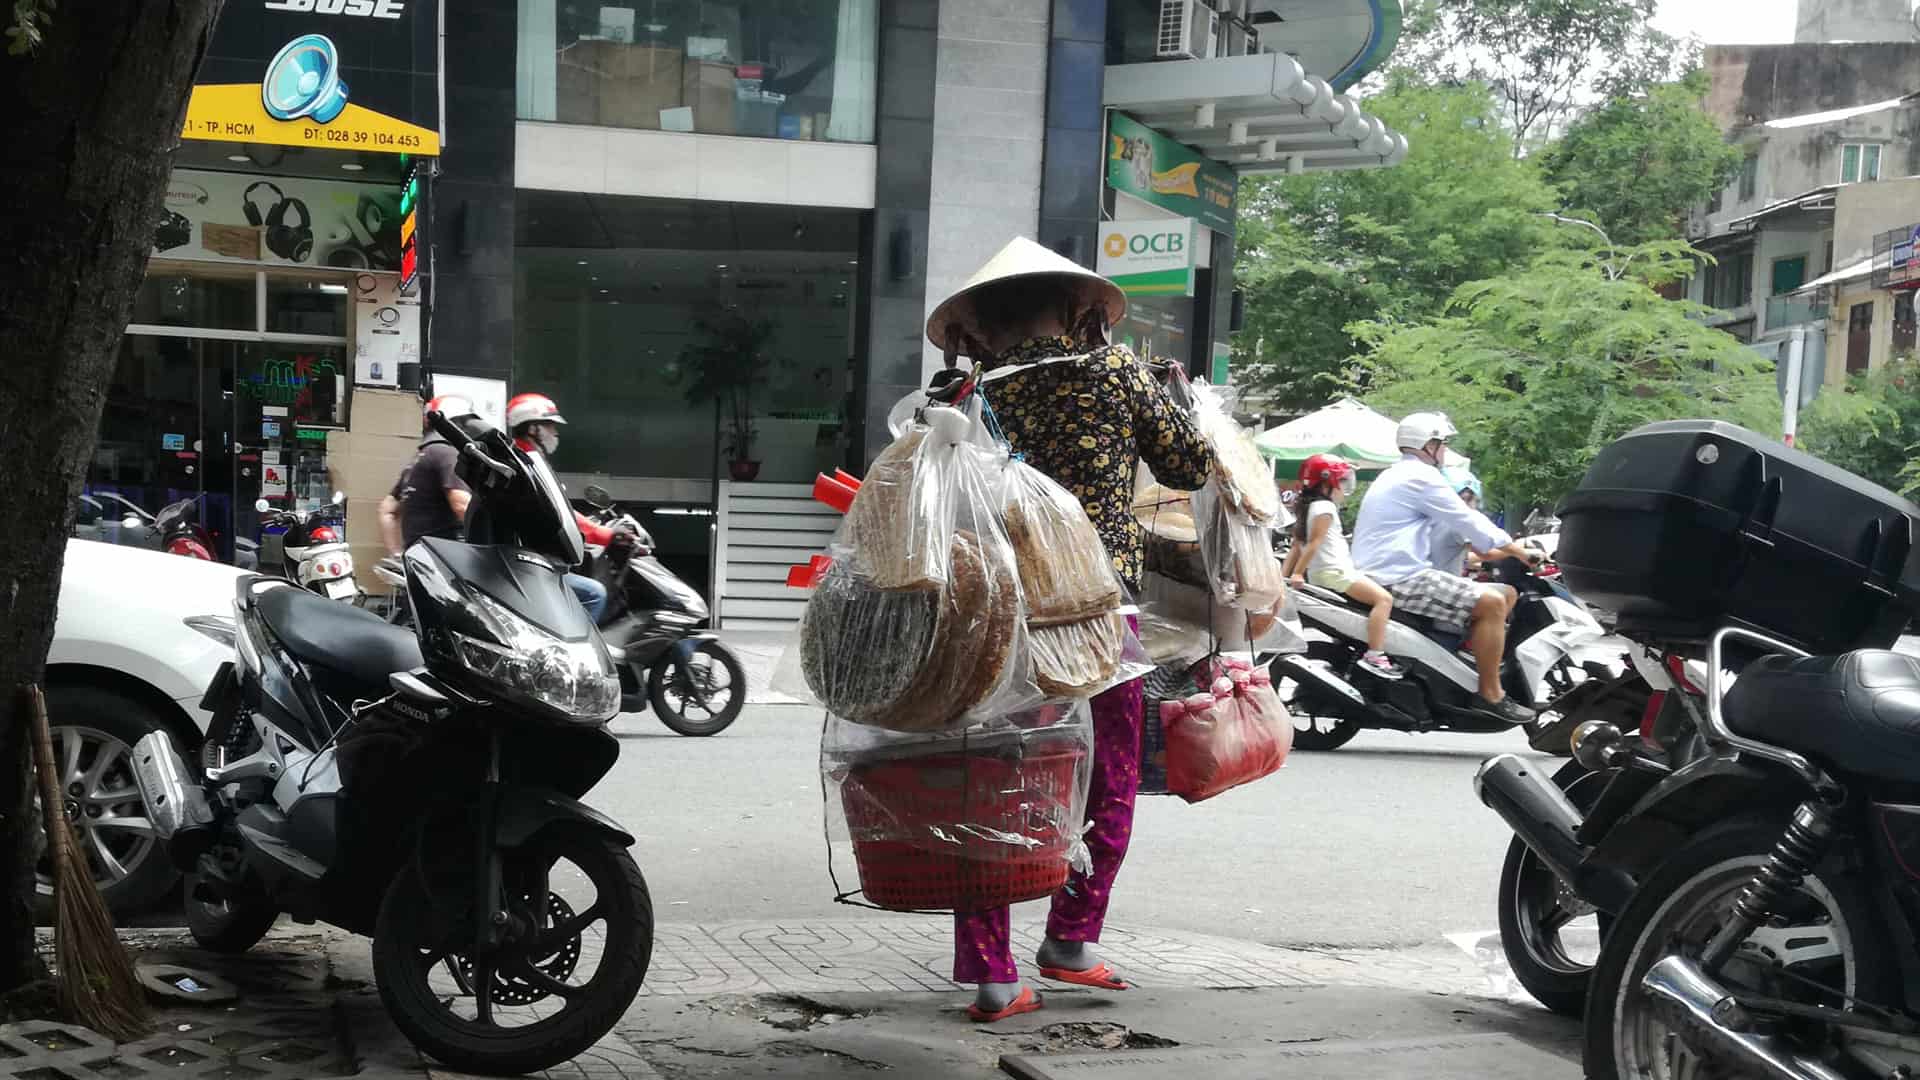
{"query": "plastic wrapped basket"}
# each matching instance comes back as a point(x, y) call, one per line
point(964, 830)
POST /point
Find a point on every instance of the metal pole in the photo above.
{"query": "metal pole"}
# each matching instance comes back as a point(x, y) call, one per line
point(1790, 407)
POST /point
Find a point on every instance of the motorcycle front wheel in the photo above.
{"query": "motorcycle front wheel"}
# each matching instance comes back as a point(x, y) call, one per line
point(1544, 927)
point(708, 702)
point(584, 937)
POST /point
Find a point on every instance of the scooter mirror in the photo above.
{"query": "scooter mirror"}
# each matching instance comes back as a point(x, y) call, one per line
point(131, 521)
point(262, 505)
point(339, 497)
point(598, 495)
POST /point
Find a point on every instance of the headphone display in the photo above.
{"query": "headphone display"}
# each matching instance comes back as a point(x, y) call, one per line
point(288, 223)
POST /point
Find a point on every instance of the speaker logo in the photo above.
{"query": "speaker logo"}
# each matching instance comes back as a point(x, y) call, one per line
point(303, 79)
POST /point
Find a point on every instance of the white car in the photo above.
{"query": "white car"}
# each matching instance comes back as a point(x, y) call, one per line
point(139, 636)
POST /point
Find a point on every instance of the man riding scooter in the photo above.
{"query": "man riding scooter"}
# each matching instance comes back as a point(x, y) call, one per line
point(1394, 540)
point(535, 422)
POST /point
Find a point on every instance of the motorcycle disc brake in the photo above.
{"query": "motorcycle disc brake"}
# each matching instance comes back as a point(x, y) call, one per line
point(511, 989)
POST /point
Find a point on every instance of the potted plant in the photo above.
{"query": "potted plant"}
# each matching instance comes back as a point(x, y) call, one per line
point(730, 366)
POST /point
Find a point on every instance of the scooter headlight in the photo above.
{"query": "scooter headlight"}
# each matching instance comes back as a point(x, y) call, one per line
point(575, 678)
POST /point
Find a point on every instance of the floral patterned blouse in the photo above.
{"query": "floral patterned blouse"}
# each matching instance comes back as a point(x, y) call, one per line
point(1087, 423)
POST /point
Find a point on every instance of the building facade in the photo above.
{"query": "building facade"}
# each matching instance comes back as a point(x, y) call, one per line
point(1828, 125)
point(712, 230)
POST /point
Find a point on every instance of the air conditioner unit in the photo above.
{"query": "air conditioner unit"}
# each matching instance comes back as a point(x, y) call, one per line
point(1189, 30)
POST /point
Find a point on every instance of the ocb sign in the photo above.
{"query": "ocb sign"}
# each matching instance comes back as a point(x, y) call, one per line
point(1148, 258)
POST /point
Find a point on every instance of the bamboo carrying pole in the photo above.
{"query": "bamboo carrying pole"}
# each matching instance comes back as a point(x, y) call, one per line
point(97, 986)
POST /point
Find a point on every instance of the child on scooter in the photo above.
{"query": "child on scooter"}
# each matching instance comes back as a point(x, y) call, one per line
point(1320, 554)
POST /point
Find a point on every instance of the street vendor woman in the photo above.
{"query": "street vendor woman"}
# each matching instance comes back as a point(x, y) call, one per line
point(1085, 413)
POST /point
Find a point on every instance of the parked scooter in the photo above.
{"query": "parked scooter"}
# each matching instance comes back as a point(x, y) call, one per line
point(181, 533)
point(696, 685)
point(424, 790)
point(1559, 662)
point(309, 549)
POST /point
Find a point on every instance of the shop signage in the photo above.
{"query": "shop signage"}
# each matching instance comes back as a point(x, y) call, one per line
point(1147, 165)
point(283, 220)
point(360, 75)
point(1148, 258)
point(409, 223)
point(386, 328)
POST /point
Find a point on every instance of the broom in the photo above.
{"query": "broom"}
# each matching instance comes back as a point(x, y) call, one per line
point(97, 986)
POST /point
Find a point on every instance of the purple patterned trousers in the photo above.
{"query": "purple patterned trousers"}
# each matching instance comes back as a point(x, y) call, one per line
point(982, 940)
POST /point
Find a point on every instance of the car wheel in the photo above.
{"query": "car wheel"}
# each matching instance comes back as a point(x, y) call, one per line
point(93, 735)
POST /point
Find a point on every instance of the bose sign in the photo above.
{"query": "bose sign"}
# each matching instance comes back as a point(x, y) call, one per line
point(1148, 258)
point(366, 9)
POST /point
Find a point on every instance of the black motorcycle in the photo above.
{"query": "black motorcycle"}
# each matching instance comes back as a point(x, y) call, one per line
point(695, 684)
point(1778, 940)
point(424, 790)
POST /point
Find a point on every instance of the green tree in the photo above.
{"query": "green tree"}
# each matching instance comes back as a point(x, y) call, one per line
point(1871, 426)
point(1542, 367)
point(1545, 59)
point(101, 96)
point(1317, 253)
point(1637, 162)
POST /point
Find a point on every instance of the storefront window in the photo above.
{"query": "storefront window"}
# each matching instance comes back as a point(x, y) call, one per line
point(304, 306)
point(223, 302)
point(786, 69)
point(223, 399)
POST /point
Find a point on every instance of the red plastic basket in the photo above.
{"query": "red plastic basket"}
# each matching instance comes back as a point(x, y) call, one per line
point(903, 813)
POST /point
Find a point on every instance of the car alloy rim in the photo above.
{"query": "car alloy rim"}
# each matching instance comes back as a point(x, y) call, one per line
point(102, 804)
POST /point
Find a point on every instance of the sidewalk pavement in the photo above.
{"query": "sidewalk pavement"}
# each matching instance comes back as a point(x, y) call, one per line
point(856, 996)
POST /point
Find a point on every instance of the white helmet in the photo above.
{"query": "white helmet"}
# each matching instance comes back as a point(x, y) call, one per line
point(1421, 428)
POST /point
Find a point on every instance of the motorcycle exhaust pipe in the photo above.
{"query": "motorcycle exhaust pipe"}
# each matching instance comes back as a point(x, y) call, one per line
point(1538, 812)
point(174, 801)
point(1702, 1009)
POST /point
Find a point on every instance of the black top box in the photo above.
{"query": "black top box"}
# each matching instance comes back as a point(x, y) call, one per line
point(1686, 526)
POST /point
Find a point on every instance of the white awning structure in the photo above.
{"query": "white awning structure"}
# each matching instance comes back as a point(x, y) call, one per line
point(1258, 114)
point(1850, 272)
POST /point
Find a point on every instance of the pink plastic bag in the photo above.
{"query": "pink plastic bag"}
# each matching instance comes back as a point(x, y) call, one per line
point(1235, 732)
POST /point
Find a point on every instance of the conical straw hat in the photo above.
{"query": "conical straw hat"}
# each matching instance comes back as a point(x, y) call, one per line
point(1023, 259)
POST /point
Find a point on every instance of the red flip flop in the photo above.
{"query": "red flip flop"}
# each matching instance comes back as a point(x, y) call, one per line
point(1027, 1002)
point(1099, 976)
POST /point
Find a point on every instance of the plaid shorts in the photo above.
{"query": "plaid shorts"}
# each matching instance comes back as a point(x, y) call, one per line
point(1445, 598)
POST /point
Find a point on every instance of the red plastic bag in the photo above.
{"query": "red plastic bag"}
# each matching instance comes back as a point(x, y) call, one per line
point(1235, 732)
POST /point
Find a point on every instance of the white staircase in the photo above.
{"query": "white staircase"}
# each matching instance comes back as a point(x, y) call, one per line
point(763, 529)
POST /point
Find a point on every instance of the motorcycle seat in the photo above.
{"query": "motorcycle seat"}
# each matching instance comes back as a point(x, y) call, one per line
point(358, 649)
point(1420, 623)
point(1858, 712)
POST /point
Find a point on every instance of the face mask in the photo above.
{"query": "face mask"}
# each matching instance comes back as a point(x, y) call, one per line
point(547, 438)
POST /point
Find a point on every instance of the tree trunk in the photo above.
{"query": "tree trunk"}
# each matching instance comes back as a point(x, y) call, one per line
point(97, 111)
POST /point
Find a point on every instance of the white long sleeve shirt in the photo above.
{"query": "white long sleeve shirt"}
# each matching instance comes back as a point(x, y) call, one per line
point(1405, 510)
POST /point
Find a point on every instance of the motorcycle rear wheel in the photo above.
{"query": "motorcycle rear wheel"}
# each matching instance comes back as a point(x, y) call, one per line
point(695, 711)
point(509, 1037)
point(1676, 911)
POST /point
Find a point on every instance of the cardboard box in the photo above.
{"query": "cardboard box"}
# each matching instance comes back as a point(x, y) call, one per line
point(385, 412)
point(576, 89)
point(630, 83)
point(708, 88)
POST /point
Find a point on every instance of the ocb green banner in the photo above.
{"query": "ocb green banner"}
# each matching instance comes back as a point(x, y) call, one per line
point(1147, 165)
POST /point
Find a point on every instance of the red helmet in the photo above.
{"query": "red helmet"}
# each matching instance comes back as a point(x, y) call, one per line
point(1331, 470)
point(454, 406)
point(527, 408)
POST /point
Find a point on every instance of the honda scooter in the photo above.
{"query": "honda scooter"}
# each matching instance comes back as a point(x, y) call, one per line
point(696, 685)
point(1559, 662)
point(308, 549)
point(424, 790)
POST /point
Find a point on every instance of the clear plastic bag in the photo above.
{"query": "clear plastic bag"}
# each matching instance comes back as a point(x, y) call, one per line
point(899, 527)
point(1181, 622)
point(1169, 533)
point(1242, 569)
point(960, 820)
point(914, 658)
point(1065, 572)
point(1232, 733)
point(1244, 474)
